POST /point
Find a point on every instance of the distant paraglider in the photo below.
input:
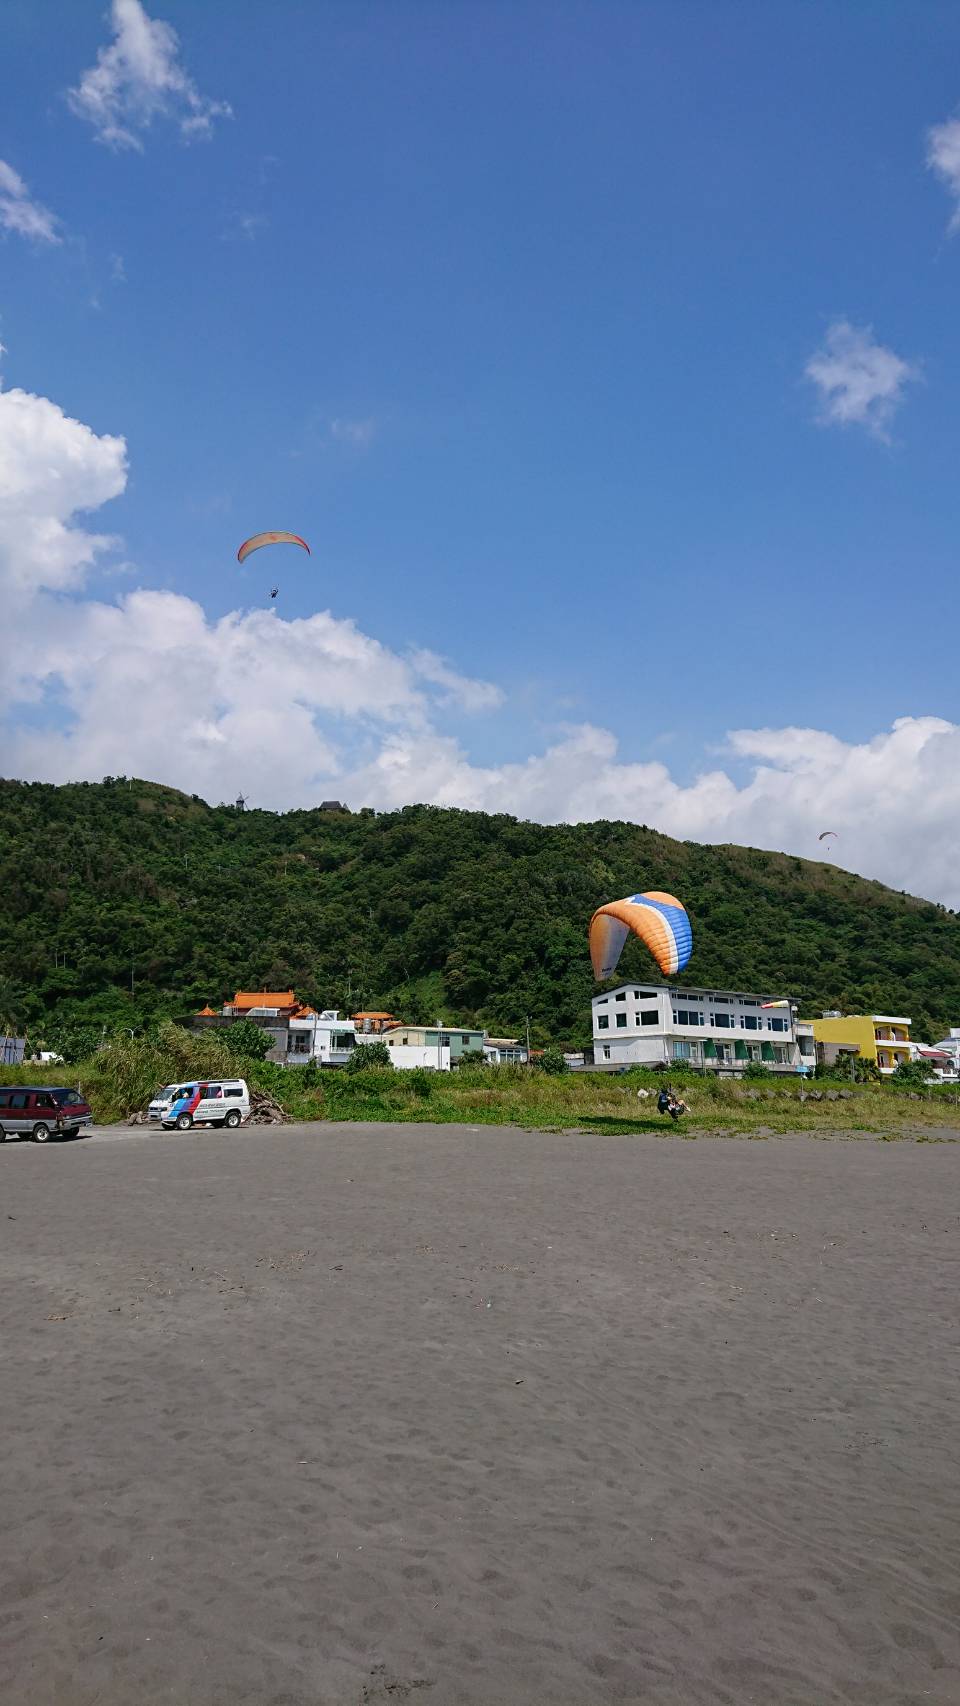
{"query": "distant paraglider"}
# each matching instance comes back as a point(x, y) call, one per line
point(828, 832)
point(257, 540)
point(658, 919)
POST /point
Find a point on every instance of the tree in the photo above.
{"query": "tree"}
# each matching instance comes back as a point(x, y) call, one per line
point(247, 1040)
point(912, 1073)
point(552, 1061)
point(368, 1055)
point(12, 1007)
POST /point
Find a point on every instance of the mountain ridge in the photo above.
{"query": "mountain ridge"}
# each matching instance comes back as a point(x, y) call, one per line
point(126, 885)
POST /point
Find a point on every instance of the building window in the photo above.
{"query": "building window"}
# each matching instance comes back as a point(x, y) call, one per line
point(750, 1022)
point(644, 995)
point(681, 1051)
point(603, 1021)
point(777, 1024)
point(649, 1018)
point(723, 1020)
point(606, 1051)
point(685, 1016)
point(622, 996)
point(621, 1021)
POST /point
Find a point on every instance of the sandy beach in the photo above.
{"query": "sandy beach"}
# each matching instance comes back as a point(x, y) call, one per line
point(351, 1414)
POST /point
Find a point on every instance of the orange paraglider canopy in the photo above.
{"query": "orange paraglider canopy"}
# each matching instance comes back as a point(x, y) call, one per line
point(257, 539)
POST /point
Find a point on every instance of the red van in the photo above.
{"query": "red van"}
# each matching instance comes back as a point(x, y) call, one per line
point(32, 1110)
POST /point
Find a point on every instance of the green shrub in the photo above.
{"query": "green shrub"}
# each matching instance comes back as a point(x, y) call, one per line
point(247, 1041)
point(366, 1056)
point(420, 1080)
point(552, 1061)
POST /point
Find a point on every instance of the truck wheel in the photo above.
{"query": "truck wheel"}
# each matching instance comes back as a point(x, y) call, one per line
point(233, 1119)
point(41, 1132)
point(184, 1122)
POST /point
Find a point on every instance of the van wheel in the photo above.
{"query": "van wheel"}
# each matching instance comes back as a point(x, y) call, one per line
point(233, 1119)
point(41, 1132)
point(184, 1122)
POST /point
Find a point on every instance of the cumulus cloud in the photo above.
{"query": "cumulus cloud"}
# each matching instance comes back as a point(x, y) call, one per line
point(860, 381)
point(291, 711)
point(52, 469)
point(943, 157)
point(139, 78)
point(20, 213)
point(461, 690)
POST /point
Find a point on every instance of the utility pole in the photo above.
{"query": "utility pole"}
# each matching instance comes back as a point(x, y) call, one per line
point(528, 1038)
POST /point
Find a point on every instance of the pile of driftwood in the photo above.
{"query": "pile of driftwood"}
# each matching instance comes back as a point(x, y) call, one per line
point(265, 1110)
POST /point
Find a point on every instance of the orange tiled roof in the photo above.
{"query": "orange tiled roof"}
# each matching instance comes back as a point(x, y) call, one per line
point(246, 998)
point(373, 1016)
point(206, 1012)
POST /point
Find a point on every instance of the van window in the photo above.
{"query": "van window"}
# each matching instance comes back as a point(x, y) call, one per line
point(212, 1091)
point(18, 1099)
point(66, 1098)
point(230, 1091)
point(4, 1098)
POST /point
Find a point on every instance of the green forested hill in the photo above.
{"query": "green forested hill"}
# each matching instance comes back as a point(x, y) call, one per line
point(424, 911)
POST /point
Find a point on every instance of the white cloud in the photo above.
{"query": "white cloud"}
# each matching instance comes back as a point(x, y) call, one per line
point(943, 157)
point(51, 468)
point(461, 690)
point(358, 434)
point(860, 381)
point(139, 78)
point(292, 711)
point(20, 213)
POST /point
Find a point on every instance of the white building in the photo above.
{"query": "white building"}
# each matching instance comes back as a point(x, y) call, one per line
point(943, 1059)
point(327, 1038)
point(504, 1051)
point(320, 1036)
point(716, 1030)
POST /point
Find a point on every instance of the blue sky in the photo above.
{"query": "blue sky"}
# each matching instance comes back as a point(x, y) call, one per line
point(509, 310)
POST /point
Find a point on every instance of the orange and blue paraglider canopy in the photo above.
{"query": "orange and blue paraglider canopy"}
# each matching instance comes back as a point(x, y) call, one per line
point(658, 919)
point(257, 539)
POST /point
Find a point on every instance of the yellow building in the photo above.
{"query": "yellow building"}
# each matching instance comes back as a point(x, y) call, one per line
point(875, 1036)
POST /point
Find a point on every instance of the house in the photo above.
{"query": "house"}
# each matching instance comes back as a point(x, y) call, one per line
point(712, 1030)
point(457, 1040)
point(504, 1051)
point(875, 1036)
point(950, 1046)
point(324, 1037)
point(374, 1024)
point(941, 1065)
point(271, 1009)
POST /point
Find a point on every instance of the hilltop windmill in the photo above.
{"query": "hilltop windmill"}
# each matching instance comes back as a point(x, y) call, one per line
point(241, 802)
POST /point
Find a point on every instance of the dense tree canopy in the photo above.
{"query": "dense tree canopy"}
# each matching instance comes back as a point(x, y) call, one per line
point(125, 901)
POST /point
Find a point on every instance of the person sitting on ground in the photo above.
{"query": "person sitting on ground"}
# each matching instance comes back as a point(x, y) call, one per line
point(664, 1100)
point(676, 1106)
